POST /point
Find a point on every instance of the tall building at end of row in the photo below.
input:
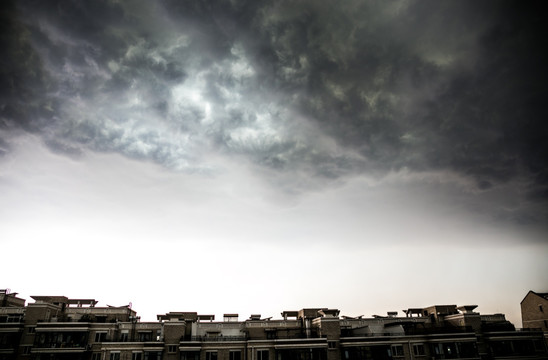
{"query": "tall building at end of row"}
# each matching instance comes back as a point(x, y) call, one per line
point(534, 311)
point(59, 328)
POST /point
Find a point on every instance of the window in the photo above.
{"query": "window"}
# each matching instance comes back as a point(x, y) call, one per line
point(449, 349)
point(124, 336)
point(418, 350)
point(32, 330)
point(15, 318)
point(211, 355)
point(332, 344)
point(114, 356)
point(540, 308)
point(262, 354)
point(172, 349)
point(190, 355)
point(153, 355)
point(466, 349)
point(101, 336)
point(96, 356)
point(26, 350)
point(437, 349)
point(501, 348)
point(137, 356)
point(235, 355)
point(145, 336)
point(397, 350)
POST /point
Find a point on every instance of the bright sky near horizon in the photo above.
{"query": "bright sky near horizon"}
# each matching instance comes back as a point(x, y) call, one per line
point(232, 156)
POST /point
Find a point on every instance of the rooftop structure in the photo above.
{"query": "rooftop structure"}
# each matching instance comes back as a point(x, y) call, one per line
point(57, 327)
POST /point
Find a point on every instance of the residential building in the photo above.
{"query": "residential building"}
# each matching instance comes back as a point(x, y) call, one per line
point(58, 328)
point(534, 311)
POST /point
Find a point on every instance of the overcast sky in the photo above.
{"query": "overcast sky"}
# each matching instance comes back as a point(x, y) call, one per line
point(260, 156)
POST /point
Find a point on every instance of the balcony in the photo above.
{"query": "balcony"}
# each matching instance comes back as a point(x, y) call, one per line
point(213, 338)
point(61, 345)
point(61, 340)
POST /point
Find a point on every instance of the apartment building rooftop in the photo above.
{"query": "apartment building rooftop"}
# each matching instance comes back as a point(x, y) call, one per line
point(60, 328)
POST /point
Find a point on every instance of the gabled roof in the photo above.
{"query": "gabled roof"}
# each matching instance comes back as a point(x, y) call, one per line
point(543, 295)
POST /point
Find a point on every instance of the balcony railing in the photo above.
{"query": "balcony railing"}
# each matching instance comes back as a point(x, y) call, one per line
point(62, 345)
point(213, 338)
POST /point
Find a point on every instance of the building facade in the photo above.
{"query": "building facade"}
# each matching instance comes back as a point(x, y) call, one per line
point(534, 311)
point(58, 328)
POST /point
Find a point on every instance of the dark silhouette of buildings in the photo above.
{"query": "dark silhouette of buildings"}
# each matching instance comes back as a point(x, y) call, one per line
point(58, 328)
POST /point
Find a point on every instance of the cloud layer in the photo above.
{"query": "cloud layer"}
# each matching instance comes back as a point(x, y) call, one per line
point(308, 92)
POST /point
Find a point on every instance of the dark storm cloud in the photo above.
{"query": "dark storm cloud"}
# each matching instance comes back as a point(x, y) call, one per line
point(445, 86)
point(310, 89)
point(22, 77)
point(453, 86)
